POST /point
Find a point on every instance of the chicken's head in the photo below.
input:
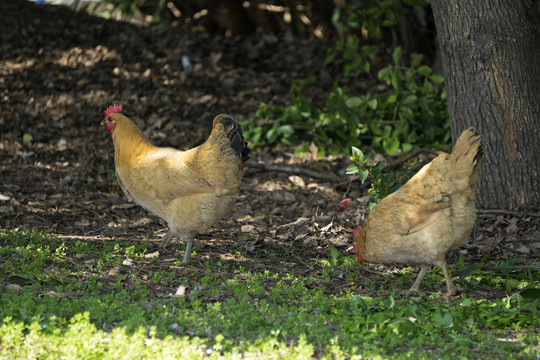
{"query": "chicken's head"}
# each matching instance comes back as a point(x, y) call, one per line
point(108, 122)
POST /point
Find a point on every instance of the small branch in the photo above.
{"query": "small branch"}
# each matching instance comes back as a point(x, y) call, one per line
point(295, 171)
point(508, 212)
point(398, 163)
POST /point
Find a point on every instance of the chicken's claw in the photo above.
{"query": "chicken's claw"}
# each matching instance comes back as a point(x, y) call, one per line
point(456, 290)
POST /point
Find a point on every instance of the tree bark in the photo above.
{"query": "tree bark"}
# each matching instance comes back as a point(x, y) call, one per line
point(490, 53)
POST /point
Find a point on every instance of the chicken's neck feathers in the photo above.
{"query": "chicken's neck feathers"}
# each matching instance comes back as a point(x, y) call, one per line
point(129, 143)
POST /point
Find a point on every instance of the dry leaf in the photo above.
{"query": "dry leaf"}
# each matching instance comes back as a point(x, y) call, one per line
point(114, 271)
point(297, 181)
point(127, 262)
point(181, 291)
point(152, 255)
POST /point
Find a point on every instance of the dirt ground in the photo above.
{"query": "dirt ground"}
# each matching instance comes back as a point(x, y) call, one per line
point(59, 70)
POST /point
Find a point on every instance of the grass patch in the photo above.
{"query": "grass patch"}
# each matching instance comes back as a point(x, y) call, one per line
point(67, 303)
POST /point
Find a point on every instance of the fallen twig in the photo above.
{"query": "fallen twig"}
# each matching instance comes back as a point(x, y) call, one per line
point(295, 171)
point(508, 212)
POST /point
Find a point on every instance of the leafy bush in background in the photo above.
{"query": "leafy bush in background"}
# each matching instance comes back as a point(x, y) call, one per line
point(410, 115)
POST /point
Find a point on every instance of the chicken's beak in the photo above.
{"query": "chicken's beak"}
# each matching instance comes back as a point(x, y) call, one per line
point(101, 123)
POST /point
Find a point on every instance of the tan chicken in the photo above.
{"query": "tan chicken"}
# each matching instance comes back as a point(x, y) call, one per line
point(433, 213)
point(191, 190)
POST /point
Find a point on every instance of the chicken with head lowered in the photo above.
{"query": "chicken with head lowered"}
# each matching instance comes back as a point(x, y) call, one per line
point(433, 213)
point(191, 190)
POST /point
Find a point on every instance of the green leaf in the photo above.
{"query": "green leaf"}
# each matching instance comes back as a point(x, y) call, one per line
point(384, 74)
point(325, 262)
point(442, 320)
point(363, 174)
point(436, 78)
point(376, 130)
point(406, 112)
point(271, 135)
point(334, 252)
point(395, 79)
point(329, 58)
point(378, 167)
point(406, 147)
point(372, 104)
point(351, 170)
point(359, 302)
point(409, 99)
point(423, 102)
point(286, 130)
point(27, 138)
point(367, 66)
point(356, 152)
point(397, 55)
point(424, 70)
point(353, 102)
point(393, 147)
point(369, 49)
point(392, 99)
point(417, 60)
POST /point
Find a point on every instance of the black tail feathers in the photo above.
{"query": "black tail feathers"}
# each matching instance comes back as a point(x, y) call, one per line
point(236, 136)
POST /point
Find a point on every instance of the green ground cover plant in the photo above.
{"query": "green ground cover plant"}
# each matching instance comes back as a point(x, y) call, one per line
point(67, 304)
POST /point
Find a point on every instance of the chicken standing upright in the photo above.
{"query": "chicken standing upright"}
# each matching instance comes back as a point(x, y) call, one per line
point(191, 190)
point(433, 213)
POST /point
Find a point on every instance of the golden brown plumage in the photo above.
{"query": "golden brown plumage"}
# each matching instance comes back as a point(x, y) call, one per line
point(191, 190)
point(433, 213)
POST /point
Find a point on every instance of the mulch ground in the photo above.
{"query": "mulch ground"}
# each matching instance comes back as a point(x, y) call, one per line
point(60, 69)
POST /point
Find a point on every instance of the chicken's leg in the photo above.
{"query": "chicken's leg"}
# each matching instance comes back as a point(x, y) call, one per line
point(416, 285)
point(451, 290)
point(166, 240)
point(188, 251)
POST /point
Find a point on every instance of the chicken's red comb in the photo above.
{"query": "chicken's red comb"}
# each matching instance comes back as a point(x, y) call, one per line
point(112, 109)
point(356, 231)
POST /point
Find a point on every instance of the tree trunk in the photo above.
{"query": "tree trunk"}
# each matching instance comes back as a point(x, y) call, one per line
point(490, 53)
